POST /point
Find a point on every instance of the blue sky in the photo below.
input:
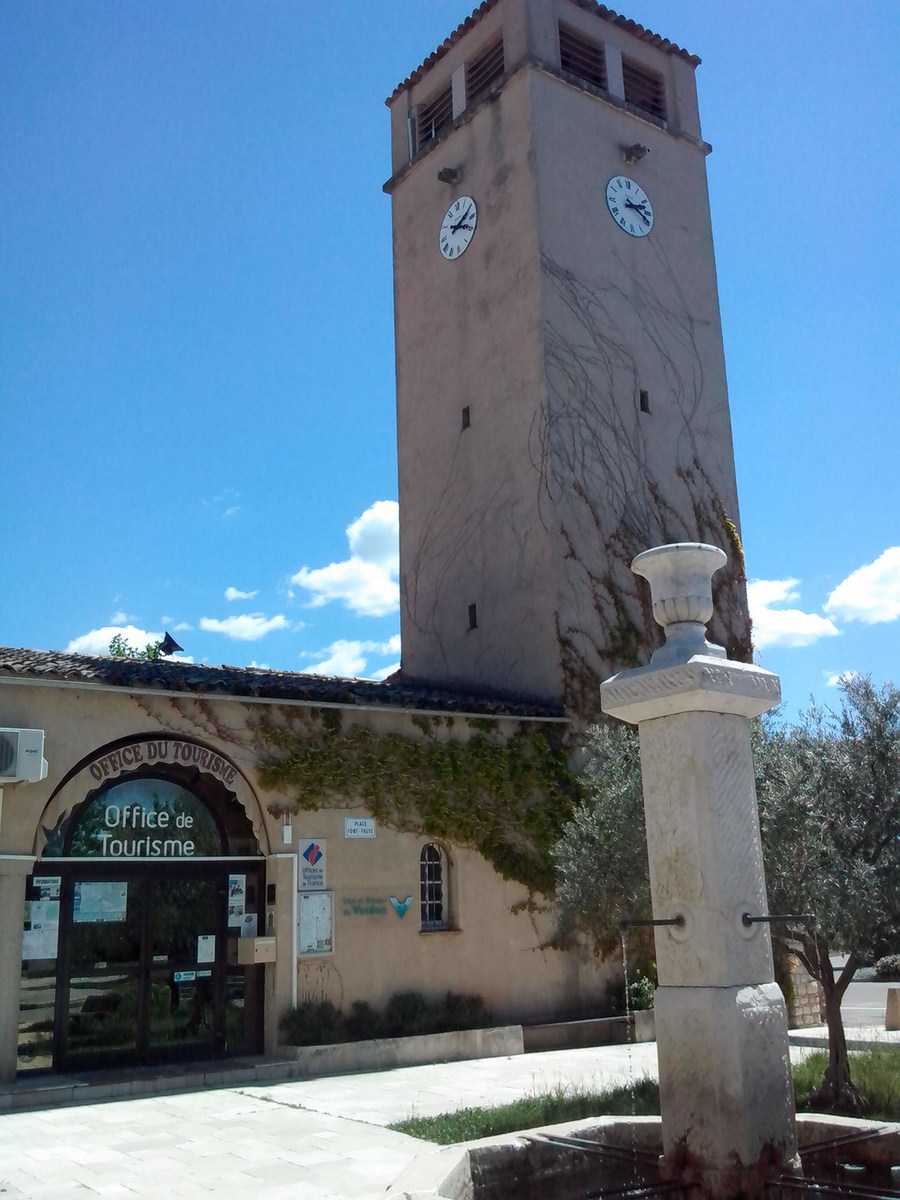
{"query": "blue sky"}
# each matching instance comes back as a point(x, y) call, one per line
point(196, 345)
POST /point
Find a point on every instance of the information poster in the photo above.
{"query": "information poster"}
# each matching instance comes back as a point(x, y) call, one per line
point(206, 948)
point(316, 922)
point(40, 933)
point(95, 903)
point(237, 898)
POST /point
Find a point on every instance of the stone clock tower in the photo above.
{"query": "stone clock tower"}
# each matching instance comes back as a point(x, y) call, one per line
point(561, 390)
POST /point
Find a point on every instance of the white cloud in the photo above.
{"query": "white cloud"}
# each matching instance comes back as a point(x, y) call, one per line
point(383, 672)
point(182, 626)
point(247, 628)
point(871, 593)
point(838, 677)
point(120, 618)
point(366, 582)
point(348, 659)
point(233, 593)
point(97, 641)
point(783, 626)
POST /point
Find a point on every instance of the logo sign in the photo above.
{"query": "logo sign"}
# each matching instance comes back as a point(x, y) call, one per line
point(401, 906)
point(359, 827)
point(312, 864)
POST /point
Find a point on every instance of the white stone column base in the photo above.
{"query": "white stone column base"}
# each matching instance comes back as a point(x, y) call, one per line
point(725, 1084)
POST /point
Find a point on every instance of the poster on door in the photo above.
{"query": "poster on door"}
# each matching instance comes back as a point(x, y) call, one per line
point(40, 933)
point(99, 903)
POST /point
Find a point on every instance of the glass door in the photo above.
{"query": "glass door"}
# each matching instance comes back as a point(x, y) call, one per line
point(102, 1010)
point(185, 957)
point(144, 963)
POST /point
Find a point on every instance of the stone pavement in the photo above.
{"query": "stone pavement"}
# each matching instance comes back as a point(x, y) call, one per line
point(318, 1139)
point(315, 1139)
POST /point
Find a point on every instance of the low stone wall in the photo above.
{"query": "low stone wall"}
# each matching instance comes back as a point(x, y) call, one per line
point(807, 1001)
point(600, 1031)
point(345, 1058)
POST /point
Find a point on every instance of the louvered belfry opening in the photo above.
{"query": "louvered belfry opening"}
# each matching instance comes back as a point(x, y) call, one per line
point(484, 70)
point(435, 116)
point(644, 89)
point(582, 57)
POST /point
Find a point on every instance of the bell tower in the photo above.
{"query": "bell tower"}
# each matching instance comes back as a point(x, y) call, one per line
point(561, 389)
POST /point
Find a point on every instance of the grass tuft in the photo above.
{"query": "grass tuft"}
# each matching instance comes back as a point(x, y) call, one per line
point(875, 1072)
point(550, 1108)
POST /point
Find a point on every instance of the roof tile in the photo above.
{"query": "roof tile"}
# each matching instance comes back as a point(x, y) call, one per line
point(172, 675)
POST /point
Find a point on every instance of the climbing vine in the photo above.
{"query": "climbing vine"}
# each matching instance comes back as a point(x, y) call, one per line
point(506, 796)
point(611, 491)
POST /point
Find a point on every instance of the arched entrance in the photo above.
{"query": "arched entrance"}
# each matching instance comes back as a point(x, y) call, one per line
point(155, 874)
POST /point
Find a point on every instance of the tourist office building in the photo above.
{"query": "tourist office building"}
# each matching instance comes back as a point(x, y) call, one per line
point(561, 406)
point(175, 907)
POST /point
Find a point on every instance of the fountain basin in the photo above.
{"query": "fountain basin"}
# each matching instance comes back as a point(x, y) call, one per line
point(841, 1156)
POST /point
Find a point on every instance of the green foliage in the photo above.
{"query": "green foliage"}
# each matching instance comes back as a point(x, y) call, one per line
point(829, 804)
point(888, 967)
point(829, 798)
point(601, 857)
point(409, 1012)
point(876, 1074)
point(506, 797)
point(364, 1024)
point(563, 1104)
point(640, 993)
point(312, 1023)
point(318, 1023)
point(120, 647)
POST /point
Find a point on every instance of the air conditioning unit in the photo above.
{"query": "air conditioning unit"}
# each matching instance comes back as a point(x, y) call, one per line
point(22, 756)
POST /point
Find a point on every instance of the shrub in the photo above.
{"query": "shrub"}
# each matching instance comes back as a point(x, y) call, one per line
point(312, 1023)
point(408, 1013)
point(640, 993)
point(888, 967)
point(463, 1012)
point(317, 1023)
point(364, 1024)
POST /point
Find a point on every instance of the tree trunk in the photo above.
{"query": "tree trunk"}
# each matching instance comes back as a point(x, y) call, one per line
point(838, 1092)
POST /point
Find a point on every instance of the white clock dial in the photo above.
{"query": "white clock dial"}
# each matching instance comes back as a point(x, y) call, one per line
point(458, 227)
point(629, 206)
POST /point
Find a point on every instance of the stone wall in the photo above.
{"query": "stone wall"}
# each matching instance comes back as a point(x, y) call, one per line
point(806, 1003)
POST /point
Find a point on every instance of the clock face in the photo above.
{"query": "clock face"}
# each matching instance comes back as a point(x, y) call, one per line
point(458, 227)
point(629, 206)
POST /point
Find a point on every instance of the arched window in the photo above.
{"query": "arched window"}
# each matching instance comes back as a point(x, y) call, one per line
point(433, 896)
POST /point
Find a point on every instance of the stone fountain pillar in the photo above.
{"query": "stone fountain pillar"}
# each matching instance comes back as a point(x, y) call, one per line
point(722, 1033)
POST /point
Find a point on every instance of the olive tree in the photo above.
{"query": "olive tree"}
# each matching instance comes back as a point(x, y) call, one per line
point(601, 856)
point(829, 803)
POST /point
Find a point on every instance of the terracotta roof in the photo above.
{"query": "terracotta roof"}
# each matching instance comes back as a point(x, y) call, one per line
point(608, 14)
point(170, 675)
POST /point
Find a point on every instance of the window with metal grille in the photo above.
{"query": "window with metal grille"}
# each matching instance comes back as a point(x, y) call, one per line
point(644, 89)
point(581, 57)
point(435, 913)
point(484, 70)
point(435, 116)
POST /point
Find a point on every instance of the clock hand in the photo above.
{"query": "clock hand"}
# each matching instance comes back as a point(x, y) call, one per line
point(461, 224)
point(638, 208)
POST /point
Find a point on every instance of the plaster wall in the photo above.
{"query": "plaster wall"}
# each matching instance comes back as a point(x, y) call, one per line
point(469, 333)
point(549, 328)
point(490, 949)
